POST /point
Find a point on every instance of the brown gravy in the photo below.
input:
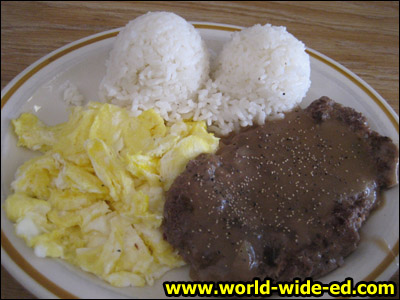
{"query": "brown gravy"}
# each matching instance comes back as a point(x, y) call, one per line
point(294, 167)
point(281, 200)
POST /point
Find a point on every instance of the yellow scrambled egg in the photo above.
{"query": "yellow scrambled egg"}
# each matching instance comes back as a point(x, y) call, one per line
point(95, 197)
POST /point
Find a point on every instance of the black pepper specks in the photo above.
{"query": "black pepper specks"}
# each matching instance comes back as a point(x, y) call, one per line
point(276, 184)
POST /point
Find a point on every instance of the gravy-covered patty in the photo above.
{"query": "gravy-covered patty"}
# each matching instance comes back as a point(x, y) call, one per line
point(281, 200)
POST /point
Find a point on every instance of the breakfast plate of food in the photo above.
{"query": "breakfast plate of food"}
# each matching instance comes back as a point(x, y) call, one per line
point(177, 151)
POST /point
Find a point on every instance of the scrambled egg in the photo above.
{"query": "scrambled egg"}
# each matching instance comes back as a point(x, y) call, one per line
point(95, 197)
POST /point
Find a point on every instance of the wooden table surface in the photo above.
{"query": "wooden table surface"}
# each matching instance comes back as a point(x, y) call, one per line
point(363, 36)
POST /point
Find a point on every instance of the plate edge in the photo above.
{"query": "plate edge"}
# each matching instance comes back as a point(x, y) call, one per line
point(202, 25)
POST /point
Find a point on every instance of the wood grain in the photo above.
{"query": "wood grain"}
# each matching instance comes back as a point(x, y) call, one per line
point(363, 36)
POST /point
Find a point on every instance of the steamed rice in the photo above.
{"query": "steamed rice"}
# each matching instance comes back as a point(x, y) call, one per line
point(159, 61)
point(261, 72)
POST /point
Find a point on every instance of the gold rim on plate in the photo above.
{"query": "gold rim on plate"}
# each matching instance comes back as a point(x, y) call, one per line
point(56, 290)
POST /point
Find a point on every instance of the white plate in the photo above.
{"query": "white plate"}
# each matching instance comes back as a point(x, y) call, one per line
point(37, 89)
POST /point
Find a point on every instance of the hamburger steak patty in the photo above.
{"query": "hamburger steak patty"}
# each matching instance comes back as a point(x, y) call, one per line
point(282, 200)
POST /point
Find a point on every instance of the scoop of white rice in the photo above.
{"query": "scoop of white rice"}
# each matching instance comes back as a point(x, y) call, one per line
point(261, 72)
point(158, 61)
